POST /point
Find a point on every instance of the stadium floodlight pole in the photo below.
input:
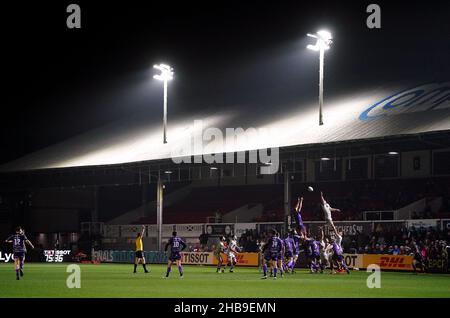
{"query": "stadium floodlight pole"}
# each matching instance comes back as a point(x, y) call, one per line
point(165, 76)
point(323, 43)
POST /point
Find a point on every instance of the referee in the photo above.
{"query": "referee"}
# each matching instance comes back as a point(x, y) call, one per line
point(139, 257)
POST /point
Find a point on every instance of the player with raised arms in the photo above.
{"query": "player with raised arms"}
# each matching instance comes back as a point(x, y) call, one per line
point(297, 216)
point(18, 241)
point(139, 254)
point(176, 246)
point(327, 210)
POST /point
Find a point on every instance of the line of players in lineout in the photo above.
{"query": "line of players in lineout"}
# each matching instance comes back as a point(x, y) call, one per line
point(281, 255)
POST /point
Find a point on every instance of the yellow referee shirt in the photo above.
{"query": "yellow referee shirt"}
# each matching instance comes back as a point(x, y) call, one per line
point(139, 245)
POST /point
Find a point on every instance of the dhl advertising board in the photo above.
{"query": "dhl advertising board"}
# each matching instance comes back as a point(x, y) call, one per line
point(393, 262)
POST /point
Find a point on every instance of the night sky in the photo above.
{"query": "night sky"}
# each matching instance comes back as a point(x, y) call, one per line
point(60, 82)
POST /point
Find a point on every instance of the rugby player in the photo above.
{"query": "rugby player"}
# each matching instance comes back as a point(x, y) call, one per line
point(232, 250)
point(19, 241)
point(297, 216)
point(313, 253)
point(176, 246)
point(289, 253)
point(297, 243)
point(417, 258)
point(337, 253)
point(220, 248)
point(327, 210)
point(139, 255)
point(275, 248)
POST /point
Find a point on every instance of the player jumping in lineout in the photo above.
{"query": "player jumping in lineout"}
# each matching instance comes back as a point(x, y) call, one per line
point(19, 250)
point(327, 210)
point(176, 246)
point(297, 216)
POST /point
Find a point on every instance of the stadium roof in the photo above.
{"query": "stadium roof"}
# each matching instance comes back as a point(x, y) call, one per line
point(381, 112)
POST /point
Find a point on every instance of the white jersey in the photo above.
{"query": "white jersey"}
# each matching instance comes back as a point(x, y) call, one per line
point(327, 211)
point(231, 248)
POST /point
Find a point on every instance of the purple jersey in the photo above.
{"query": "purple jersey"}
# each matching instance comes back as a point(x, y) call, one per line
point(298, 221)
point(289, 244)
point(18, 241)
point(176, 244)
point(275, 245)
point(337, 250)
point(313, 247)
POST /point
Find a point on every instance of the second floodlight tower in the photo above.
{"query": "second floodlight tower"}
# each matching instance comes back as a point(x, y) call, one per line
point(323, 43)
point(165, 76)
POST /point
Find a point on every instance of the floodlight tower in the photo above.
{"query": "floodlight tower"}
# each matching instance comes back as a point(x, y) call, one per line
point(165, 76)
point(323, 43)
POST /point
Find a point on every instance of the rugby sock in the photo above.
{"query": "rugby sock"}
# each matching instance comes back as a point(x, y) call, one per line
point(135, 266)
point(168, 271)
point(145, 269)
point(21, 264)
point(17, 271)
point(180, 269)
point(265, 269)
point(414, 267)
point(275, 272)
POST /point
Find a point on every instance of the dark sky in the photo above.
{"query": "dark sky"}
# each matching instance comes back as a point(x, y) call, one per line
point(60, 82)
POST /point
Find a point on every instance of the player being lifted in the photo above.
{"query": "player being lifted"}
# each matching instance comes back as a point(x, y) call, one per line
point(176, 246)
point(232, 250)
point(18, 241)
point(275, 246)
point(220, 248)
point(139, 256)
point(327, 210)
point(297, 216)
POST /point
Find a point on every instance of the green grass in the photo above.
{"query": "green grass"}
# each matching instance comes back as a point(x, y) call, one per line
point(117, 280)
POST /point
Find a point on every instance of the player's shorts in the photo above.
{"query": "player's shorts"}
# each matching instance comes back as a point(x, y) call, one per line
point(267, 256)
point(218, 256)
point(175, 256)
point(274, 256)
point(139, 254)
point(302, 227)
point(314, 256)
point(19, 255)
point(418, 257)
point(289, 254)
point(338, 258)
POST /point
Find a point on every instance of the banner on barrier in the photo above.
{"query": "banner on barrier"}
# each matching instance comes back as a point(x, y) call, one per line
point(208, 258)
point(394, 262)
point(348, 228)
point(354, 260)
point(197, 258)
point(426, 223)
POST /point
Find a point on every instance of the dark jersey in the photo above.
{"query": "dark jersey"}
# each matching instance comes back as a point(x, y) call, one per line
point(313, 247)
point(289, 244)
point(18, 241)
point(297, 242)
point(176, 244)
point(337, 250)
point(275, 245)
